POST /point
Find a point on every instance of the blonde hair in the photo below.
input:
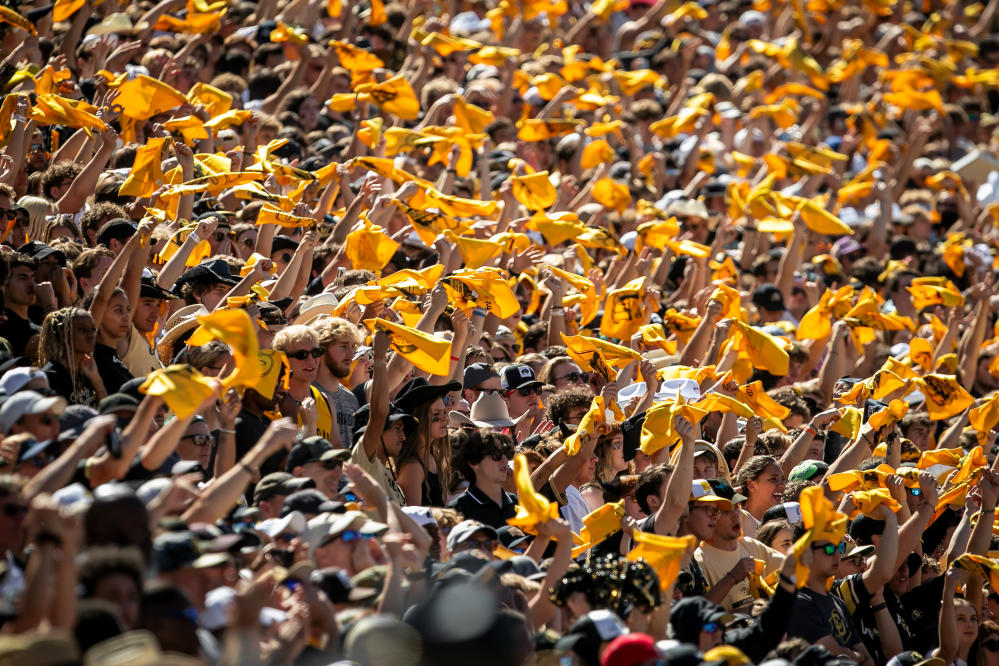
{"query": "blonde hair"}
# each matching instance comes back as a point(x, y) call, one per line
point(38, 208)
point(330, 329)
point(292, 335)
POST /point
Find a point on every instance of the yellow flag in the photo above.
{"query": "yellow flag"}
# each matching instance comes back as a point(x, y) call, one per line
point(393, 95)
point(63, 9)
point(146, 174)
point(532, 506)
point(663, 553)
point(471, 118)
point(593, 417)
point(459, 206)
point(719, 402)
point(369, 248)
point(877, 386)
point(228, 119)
point(867, 501)
point(428, 225)
point(598, 525)
point(944, 396)
point(271, 215)
point(144, 97)
point(215, 100)
point(557, 227)
point(599, 355)
point(980, 566)
point(762, 404)
point(822, 523)
point(8, 15)
point(485, 288)
point(849, 422)
point(534, 191)
point(761, 348)
point(625, 310)
point(182, 388)
point(237, 330)
point(658, 430)
point(855, 479)
point(474, 251)
point(611, 194)
point(427, 352)
point(596, 153)
point(985, 417)
point(925, 294)
point(893, 413)
point(633, 81)
point(820, 220)
point(52, 109)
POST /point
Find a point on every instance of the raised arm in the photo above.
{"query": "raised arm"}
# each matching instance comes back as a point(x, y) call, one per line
point(379, 396)
point(677, 494)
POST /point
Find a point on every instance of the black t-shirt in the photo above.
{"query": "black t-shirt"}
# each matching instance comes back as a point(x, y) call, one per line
point(113, 371)
point(473, 504)
point(921, 609)
point(818, 615)
point(857, 600)
point(17, 332)
point(61, 381)
point(249, 428)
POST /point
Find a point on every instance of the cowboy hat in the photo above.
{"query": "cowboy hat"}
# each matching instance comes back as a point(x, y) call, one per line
point(180, 322)
point(489, 411)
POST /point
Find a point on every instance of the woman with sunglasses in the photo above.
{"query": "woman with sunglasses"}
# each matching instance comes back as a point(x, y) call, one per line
point(196, 443)
point(562, 372)
point(301, 346)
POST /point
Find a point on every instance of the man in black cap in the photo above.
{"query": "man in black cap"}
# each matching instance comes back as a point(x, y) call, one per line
point(522, 392)
point(478, 377)
point(316, 459)
point(270, 491)
point(207, 283)
point(139, 356)
point(770, 303)
point(113, 234)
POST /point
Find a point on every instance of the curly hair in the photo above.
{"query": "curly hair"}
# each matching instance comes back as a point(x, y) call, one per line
point(566, 399)
point(95, 563)
point(329, 329)
point(472, 446)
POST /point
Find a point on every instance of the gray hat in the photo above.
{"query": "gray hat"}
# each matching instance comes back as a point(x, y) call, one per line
point(27, 402)
point(464, 530)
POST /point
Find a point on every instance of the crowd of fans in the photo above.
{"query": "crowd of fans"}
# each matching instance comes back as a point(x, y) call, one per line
point(499, 332)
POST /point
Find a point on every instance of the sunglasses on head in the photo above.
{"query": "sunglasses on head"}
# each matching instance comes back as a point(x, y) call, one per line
point(831, 548)
point(303, 354)
point(200, 439)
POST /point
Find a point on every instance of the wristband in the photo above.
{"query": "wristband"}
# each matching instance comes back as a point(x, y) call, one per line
point(195, 236)
point(879, 607)
point(557, 312)
point(787, 580)
point(454, 358)
point(229, 432)
point(479, 312)
point(19, 118)
point(810, 430)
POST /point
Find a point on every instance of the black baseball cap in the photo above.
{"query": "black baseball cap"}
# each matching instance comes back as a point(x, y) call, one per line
point(517, 376)
point(768, 297)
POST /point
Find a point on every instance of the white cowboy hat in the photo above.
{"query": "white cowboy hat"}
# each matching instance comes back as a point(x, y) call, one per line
point(489, 411)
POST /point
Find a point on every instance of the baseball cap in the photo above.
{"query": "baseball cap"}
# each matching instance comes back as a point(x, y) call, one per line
point(119, 229)
point(863, 528)
point(27, 402)
point(789, 511)
point(768, 297)
point(279, 483)
point(725, 490)
point(307, 451)
point(40, 250)
point(586, 634)
point(516, 376)
point(846, 245)
point(807, 470)
point(423, 516)
point(16, 379)
point(309, 501)
point(701, 491)
point(476, 374)
point(464, 530)
point(629, 650)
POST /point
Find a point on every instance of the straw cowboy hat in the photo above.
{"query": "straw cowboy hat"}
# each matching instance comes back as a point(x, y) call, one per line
point(489, 411)
point(180, 322)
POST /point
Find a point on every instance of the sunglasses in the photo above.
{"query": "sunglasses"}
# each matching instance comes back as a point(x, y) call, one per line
point(220, 236)
point(200, 440)
point(992, 645)
point(831, 548)
point(249, 242)
point(303, 354)
point(501, 454)
point(449, 400)
point(709, 511)
point(575, 377)
point(14, 510)
point(710, 627)
point(525, 391)
point(347, 536)
point(284, 257)
point(332, 464)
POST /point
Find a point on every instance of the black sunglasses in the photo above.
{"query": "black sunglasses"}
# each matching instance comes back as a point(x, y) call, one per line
point(526, 391)
point(502, 453)
point(303, 354)
point(575, 377)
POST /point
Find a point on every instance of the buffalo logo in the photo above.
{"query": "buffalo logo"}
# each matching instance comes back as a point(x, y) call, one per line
point(598, 365)
point(626, 308)
point(938, 390)
point(382, 96)
point(871, 478)
point(402, 346)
